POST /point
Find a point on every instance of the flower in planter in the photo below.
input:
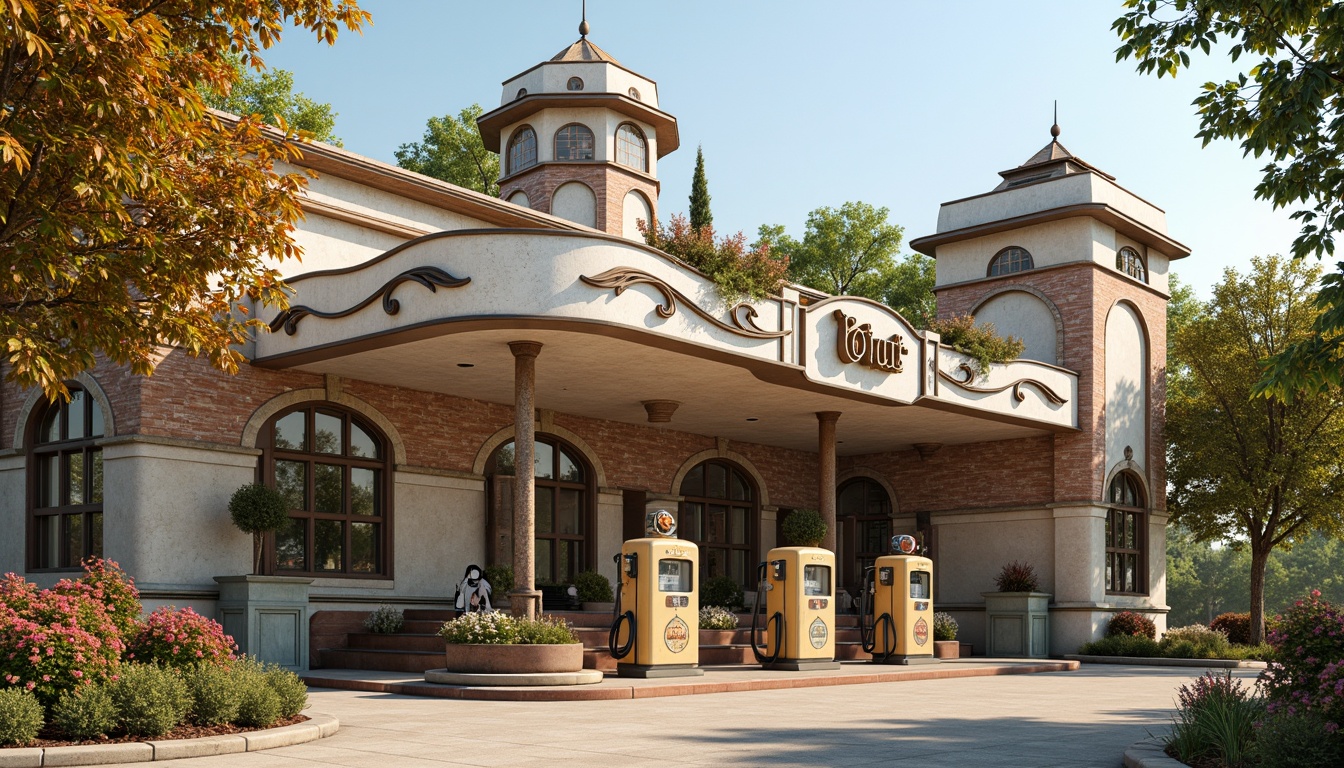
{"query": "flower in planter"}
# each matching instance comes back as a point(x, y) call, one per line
point(1017, 577)
point(944, 626)
point(495, 628)
point(715, 617)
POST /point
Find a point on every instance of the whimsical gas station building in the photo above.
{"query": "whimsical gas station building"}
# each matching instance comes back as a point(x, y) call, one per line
point(463, 379)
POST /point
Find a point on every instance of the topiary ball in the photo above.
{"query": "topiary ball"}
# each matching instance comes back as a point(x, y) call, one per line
point(257, 508)
point(804, 528)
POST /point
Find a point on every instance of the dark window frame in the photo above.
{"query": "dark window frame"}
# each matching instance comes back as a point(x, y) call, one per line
point(88, 513)
point(1009, 261)
point(851, 527)
point(1130, 262)
point(572, 82)
point(587, 539)
point(751, 505)
point(574, 143)
point(521, 162)
point(383, 549)
point(1126, 511)
point(622, 143)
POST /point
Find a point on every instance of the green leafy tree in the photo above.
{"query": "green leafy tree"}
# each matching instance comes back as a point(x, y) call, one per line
point(909, 289)
point(845, 251)
point(131, 217)
point(1283, 106)
point(700, 214)
point(271, 95)
point(452, 150)
point(1250, 470)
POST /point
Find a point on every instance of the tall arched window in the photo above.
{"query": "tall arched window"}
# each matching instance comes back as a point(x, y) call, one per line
point(65, 482)
point(1129, 261)
point(631, 149)
point(335, 471)
point(564, 509)
point(1009, 260)
point(522, 152)
point(1126, 537)
point(574, 142)
point(863, 508)
point(719, 514)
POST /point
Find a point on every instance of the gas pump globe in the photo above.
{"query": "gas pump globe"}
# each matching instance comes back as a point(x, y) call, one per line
point(656, 627)
point(897, 607)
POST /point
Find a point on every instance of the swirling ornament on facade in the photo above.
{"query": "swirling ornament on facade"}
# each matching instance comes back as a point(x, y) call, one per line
point(742, 315)
point(430, 277)
point(1046, 392)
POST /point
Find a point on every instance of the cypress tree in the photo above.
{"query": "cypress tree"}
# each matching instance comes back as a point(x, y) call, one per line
point(700, 214)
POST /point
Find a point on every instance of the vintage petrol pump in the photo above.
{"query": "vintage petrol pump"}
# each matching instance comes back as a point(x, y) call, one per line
point(656, 630)
point(800, 605)
point(897, 609)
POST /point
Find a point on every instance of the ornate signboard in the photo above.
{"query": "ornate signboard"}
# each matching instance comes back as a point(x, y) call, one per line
point(855, 343)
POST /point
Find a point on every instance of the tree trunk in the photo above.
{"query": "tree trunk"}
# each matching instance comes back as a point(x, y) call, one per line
point(257, 540)
point(1259, 558)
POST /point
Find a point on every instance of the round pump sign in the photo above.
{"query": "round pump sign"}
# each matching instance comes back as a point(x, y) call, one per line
point(904, 544)
point(660, 522)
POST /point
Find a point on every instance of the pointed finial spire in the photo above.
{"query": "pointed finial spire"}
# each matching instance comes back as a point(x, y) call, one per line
point(1054, 129)
point(583, 25)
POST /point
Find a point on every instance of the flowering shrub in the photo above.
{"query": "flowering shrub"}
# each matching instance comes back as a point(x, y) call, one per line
point(981, 342)
point(736, 270)
point(104, 581)
point(1194, 642)
point(1131, 623)
point(179, 639)
point(495, 628)
point(1237, 627)
point(716, 617)
point(1213, 721)
point(944, 626)
point(385, 620)
point(1307, 671)
point(54, 641)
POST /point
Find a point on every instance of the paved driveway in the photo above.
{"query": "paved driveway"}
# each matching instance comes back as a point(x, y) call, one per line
point(1077, 719)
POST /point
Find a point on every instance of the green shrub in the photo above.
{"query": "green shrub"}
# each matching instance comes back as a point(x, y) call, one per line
point(500, 578)
point(1017, 577)
point(804, 528)
point(1214, 720)
point(85, 713)
point(944, 626)
point(1131, 623)
point(982, 343)
point(1194, 642)
point(546, 630)
point(150, 700)
point(1302, 740)
point(593, 587)
point(385, 620)
point(258, 704)
point(258, 509)
point(1122, 645)
point(292, 691)
point(723, 591)
point(214, 698)
point(1237, 627)
point(20, 716)
point(717, 617)
point(1261, 652)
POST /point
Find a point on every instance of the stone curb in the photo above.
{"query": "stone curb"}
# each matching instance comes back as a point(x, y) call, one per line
point(1148, 754)
point(1150, 661)
point(582, 677)
point(317, 727)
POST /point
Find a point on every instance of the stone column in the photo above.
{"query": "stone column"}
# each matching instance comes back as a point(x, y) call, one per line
point(524, 600)
point(826, 473)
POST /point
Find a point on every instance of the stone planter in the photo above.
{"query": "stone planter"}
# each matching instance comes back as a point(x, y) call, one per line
point(599, 607)
point(966, 651)
point(718, 637)
point(946, 649)
point(267, 616)
point(1017, 624)
point(513, 659)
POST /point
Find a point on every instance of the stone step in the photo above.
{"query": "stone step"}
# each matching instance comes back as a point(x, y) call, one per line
point(387, 661)
point(368, 641)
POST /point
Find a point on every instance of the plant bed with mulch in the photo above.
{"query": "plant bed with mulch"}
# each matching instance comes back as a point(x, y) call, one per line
point(50, 737)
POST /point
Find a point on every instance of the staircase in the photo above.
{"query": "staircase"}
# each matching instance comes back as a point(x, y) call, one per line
point(418, 648)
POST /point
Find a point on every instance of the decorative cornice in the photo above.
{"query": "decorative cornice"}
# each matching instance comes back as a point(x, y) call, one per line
point(429, 277)
point(742, 315)
point(1046, 392)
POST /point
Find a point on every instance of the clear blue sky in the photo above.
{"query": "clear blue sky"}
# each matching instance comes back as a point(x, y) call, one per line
point(804, 104)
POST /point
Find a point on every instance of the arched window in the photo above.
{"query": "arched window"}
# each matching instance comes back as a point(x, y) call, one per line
point(634, 93)
point(335, 471)
point(719, 514)
point(522, 149)
point(574, 84)
point(564, 504)
point(574, 142)
point(1129, 261)
point(863, 508)
point(65, 486)
point(1126, 537)
point(631, 148)
point(1009, 260)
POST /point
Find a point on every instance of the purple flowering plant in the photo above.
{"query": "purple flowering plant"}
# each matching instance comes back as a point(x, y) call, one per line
point(1307, 671)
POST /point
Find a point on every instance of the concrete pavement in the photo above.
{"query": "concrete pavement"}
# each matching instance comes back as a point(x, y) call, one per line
point(1078, 719)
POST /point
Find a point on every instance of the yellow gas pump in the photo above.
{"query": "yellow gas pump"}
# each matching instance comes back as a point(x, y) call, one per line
point(800, 603)
point(656, 630)
point(897, 613)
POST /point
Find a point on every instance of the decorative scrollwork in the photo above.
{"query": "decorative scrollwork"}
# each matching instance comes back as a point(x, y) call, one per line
point(742, 316)
point(430, 277)
point(1046, 392)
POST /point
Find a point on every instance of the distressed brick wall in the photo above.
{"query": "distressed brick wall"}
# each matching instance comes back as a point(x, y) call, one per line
point(610, 184)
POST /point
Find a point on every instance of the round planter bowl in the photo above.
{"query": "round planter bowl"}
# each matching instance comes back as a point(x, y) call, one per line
point(514, 659)
point(946, 649)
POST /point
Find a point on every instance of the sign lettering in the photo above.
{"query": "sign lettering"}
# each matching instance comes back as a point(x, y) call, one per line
point(856, 344)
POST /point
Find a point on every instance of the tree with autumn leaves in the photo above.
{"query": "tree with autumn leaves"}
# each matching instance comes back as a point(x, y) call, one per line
point(131, 217)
